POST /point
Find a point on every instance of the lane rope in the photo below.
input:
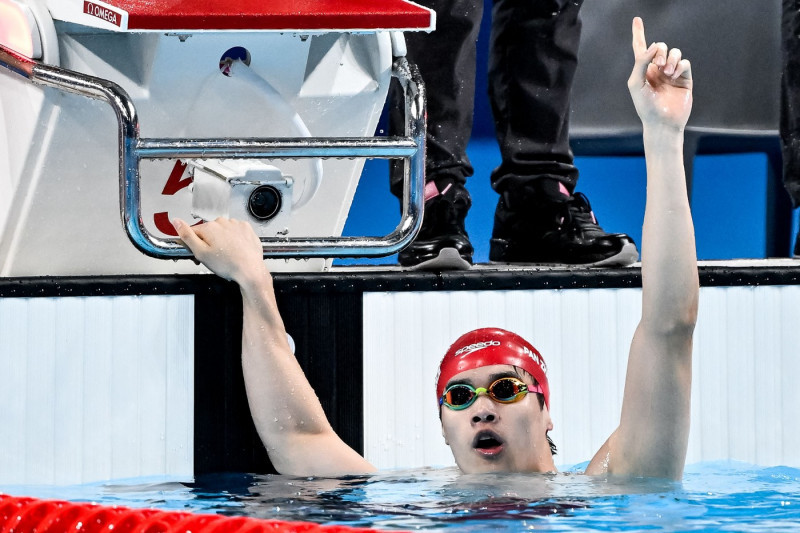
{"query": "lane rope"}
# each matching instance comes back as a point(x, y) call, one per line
point(32, 515)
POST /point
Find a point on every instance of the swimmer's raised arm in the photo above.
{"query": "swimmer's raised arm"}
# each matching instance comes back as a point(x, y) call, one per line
point(652, 436)
point(284, 407)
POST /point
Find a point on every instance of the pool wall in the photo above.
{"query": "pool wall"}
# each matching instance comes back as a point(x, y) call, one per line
point(96, 387)
point(744, 400)
point(112, 378)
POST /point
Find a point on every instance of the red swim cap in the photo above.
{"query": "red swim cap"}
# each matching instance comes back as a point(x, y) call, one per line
point(492, 346)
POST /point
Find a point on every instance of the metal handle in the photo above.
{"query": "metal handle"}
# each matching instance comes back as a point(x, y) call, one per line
point(133, 149)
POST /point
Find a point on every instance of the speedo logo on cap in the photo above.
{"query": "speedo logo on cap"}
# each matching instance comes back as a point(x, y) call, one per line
point(466, 350)
point(538, 360)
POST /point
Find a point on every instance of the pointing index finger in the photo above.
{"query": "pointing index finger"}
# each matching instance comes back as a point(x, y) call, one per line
point(642, 54)
point(639, 41)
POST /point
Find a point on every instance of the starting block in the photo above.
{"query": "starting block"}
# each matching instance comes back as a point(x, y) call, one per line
point(111, 109)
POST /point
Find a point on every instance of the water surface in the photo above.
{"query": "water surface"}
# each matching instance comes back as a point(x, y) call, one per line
point(712, 497)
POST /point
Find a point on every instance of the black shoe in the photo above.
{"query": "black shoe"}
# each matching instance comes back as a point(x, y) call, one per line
point(550, 229)
point(442, 243)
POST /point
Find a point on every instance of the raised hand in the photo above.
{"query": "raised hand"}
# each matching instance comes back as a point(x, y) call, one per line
point(661, 82)
point(230, 248)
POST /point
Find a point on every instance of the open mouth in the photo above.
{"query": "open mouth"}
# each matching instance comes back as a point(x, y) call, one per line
point(487, 443)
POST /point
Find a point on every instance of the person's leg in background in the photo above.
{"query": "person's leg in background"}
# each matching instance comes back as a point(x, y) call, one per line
point(446, 59)
point(532, 60)
point(790, 103)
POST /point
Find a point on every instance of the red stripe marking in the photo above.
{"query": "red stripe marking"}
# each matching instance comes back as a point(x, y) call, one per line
point(163, 223)
point(174, 182)
point(273, 15)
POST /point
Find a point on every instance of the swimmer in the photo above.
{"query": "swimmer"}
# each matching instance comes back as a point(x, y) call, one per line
point(492, 390)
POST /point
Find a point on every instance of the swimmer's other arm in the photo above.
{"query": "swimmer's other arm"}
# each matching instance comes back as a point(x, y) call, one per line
point(652, 437)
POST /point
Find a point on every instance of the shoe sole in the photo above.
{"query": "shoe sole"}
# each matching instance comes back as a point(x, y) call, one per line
point(625, 257)
point(448, 259)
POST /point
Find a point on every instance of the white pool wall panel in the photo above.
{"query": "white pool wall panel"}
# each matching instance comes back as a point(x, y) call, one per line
point(96, 388)
point(745, 397)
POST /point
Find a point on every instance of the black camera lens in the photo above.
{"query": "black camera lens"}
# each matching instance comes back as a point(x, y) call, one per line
point(264, 202)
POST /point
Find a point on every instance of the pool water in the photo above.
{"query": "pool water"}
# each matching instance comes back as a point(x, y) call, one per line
point(712, 497)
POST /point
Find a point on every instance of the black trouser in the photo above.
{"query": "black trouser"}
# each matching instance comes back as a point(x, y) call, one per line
point(790, 98)
point(532, 59)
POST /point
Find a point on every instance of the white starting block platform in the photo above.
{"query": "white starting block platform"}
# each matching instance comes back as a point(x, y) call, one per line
point(108, 109)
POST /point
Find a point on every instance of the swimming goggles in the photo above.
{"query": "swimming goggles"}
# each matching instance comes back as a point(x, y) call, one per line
point(504, 390)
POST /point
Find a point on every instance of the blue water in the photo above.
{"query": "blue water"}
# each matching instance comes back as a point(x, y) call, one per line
point(712, 497)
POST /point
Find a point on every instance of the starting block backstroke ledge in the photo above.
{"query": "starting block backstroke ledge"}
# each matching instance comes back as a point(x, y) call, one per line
point(247, 99)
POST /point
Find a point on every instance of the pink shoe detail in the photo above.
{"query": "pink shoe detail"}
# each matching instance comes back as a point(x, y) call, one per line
point(431, 191)
point(563, 190)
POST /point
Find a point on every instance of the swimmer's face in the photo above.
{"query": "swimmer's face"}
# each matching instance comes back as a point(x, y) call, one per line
point(489, 436)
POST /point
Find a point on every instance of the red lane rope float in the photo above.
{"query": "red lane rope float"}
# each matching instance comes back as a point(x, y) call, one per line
point(31, 515)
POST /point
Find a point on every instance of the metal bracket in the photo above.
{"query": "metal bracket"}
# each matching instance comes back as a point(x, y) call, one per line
point(133, 149)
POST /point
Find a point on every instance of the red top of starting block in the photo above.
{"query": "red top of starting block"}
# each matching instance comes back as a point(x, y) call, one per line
point(287, 15)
